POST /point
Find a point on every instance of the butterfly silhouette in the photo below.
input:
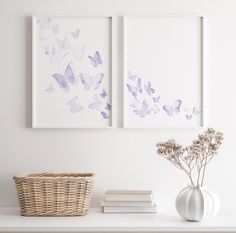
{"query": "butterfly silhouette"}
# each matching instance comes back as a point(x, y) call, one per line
point(74, 107)
point(132, 76)
point(108, 106)
point(96, 59)
point(149, 88)
point(174, 108)
point(97, 104)
point(135, 90)
point(104, 115)
point(64, 80)
point(103, 94)
point(91, 82)
point(144, 111)
point(195, 112)
point(75, 34)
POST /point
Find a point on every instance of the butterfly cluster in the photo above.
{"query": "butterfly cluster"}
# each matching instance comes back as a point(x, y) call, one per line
point(89, 83)
point(146, 101)
point(194, 113)
point(66, 50)
point(57, 46)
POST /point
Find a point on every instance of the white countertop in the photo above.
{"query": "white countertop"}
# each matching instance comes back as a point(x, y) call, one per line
point(96, 221)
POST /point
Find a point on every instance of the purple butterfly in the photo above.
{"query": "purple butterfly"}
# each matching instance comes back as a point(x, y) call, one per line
point(132, 76)
point(108, 107)
point(189, 117)
point(96, 59)
point(171, 109)
point(156, 99)
point(104, 115)
point(74, 107)
point(43, 23)
point(149, 88)
point(135, 90)
point(97, 104)
point(75, 34)
point(55, 29)
point(103, 94)
point(144, 111)
point(195, 112)
point(91, 82)
point(64, 80)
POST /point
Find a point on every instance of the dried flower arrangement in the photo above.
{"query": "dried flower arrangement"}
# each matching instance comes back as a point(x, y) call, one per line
point(193, 159)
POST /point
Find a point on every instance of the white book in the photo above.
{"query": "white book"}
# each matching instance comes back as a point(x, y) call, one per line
point(127, 203)
point(128, 195)
point(129, 209)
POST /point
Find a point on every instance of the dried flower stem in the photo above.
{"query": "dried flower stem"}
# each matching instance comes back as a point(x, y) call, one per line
point(194, 157)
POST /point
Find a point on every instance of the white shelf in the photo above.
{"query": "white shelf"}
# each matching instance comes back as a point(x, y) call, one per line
point(95, 221)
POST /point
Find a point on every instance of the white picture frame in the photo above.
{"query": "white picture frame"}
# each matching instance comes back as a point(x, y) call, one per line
point(72, 71)
point(147, 42)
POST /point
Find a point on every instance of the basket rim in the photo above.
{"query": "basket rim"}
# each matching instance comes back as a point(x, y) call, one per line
point(55, 175)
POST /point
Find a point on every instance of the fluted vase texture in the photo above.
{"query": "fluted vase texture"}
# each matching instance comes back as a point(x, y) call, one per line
point(197, 203)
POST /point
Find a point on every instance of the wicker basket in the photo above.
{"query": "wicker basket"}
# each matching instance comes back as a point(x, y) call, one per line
point(54, 194)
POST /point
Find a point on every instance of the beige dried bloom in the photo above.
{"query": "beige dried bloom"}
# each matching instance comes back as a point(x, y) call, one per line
point(171, 151)
point(193, 157)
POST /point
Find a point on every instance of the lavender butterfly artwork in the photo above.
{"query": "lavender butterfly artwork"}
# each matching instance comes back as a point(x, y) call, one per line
point(143, 111)
point(104, 94)
point(149, 89)
point(74, 106)
point(163, 72)
point(71, 83)
point(96, 104)
point(132, 76)
point(65, 79)
point(146, 102)
point(91, 82)
point(194, 113)
point(135, 89)
point(174, 108)
point(95, 59)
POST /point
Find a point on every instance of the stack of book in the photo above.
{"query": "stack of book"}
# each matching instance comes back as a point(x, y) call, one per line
point(127, 201)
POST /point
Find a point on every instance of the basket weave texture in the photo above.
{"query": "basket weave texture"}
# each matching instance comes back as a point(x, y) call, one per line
point(54, 194)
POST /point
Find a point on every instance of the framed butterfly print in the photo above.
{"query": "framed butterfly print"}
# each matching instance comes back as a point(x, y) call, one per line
point(163, 72)
point(72, 72)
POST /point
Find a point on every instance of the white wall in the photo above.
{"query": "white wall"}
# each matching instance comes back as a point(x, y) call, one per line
point(121, 158)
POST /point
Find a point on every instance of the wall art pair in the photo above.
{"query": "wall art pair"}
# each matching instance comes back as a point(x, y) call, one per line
point(162, 72)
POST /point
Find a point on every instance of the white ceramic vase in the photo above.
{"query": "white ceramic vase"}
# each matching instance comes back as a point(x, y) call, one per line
point(197, 203)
